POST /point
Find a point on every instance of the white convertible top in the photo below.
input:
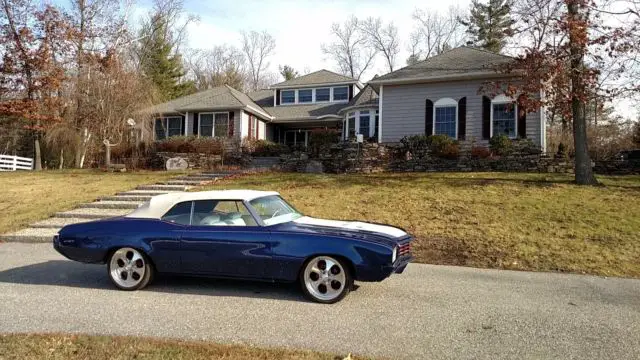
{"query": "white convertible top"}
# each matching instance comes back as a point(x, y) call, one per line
point(160, 204)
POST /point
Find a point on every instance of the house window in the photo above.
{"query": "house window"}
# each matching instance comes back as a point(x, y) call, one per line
point(341, 93)
point(305, 96)
point(364, 124)
point(445, 118)
point(206, 125)
point(221, 128)
point(287, 96)
point(174, 127)
point(168, 126)
point(323, 95)
point(503, 116)
point(351, 125)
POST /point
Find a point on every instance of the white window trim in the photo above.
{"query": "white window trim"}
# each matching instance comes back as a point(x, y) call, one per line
point(165, 120)
point(313, 97)
point(323, 101)
point(296, 93)
point(213, 124)
point(502, 99)
point(444, 102)
point(295, 97)
point(334, 100)
point(356, 119)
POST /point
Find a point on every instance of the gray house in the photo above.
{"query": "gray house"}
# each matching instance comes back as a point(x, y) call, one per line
point(439, 95)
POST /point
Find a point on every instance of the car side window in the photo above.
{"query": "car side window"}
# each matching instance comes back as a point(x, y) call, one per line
point(180, 213)
point(221, 213)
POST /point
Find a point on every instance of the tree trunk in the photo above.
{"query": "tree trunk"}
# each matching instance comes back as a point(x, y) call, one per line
point(584, 172)
point(107, 153)
point(61, 159)
point(38, 158)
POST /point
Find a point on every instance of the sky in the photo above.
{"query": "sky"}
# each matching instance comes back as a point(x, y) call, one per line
point(299, 27)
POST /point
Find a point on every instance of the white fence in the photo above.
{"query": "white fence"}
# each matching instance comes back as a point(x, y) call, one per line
point(13, 163)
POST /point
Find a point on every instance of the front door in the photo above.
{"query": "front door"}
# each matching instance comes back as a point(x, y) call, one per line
point(225, 240)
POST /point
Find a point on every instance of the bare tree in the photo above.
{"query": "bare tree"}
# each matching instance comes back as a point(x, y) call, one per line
point(221, 65)
point(437, 32)
point(383, 38)
point(350, 50)
point(257, 48)
point(415, 54)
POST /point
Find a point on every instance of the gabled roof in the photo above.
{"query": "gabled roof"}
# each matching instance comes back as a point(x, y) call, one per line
point(264, 98)
point(219, 98)
point(367, 98)
point(456, 63)
point(319, 77)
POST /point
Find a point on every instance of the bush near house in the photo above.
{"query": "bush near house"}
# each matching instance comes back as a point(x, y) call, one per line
point(191, 144)
point(437, 145)
point(260, 148)
point(502, 145)
point(319, 138)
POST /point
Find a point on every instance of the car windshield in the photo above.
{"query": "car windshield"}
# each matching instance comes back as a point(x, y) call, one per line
point(274, 210)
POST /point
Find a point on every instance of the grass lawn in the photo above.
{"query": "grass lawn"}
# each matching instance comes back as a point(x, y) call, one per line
point(30, 196)
point(493, 220)
point(106, 347)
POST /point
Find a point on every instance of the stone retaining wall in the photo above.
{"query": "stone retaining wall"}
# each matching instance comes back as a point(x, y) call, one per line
point(195, 160)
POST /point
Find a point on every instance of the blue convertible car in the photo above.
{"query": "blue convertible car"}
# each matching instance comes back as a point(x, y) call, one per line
point(241, 234)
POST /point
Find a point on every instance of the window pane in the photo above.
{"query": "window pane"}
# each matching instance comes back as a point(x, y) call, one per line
point(179, 213)
point(352, 127)
point(288, 96)
point(445, 121)
point(305, 96)
point(340, 93)
point(274, 210)
point(161, 130)
point(323, 94)
point(220, 213)
point(504, 119)
point(206, 125)
point(364, 123)
point(175, 126)
point(221, 125)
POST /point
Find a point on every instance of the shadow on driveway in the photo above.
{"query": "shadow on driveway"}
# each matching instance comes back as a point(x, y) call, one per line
point(74, 274)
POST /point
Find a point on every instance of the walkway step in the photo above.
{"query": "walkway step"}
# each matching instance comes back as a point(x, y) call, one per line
point(109, 204)
point(186, 182)
point(163, 187)
point(30, 235)
point(146, 192)
point(136, 198)
point(57, 222)
point(93, 213)
point(200, 178)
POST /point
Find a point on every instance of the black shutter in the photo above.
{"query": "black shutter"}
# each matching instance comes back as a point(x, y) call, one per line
point(196, 124)
point(184, 126)
point(231, 123)
point(277, 97)
point(351, 92)
point(428, 118)
point(462, 118)
point(486, 118)
point(522, 117)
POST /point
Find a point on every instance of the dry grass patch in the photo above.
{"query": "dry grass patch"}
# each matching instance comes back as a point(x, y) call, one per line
point(31, 196)
point(27, 347)
point(495, 220)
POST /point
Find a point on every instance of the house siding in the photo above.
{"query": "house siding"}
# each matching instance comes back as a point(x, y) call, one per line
point(404, 109)
point(245, 125)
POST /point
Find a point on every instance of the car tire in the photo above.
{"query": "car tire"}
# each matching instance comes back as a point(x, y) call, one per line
point(129, 269)
point(326, 279)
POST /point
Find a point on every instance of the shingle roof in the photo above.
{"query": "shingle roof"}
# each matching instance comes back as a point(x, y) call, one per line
point(218, 98)
point(316, 78)
point(368, 97)
point(459, 61)
point(264, 98)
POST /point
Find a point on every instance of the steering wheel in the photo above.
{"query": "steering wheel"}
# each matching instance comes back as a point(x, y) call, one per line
point(275, 213)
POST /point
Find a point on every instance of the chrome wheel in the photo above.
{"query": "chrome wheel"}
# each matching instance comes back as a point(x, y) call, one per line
point(325, 278)
point(127, 268)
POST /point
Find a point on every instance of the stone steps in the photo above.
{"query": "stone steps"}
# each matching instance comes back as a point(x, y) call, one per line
point(132, 198)
point(162, 187)
point(214, 177)
point(146, 192)
point(58, 223)
point(93, 213)
point(111, 204)
point(186, 182)
point(31, 235)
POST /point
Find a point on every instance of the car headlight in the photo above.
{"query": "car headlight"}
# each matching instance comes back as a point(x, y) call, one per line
point(394, 254)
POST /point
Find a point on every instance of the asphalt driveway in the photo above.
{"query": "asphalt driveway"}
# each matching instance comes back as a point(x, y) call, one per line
point(429, 312)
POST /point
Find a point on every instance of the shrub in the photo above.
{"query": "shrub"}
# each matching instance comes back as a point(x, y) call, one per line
point(207, 145)
point(191, 144)
point(480, 152)
point(438, 145)
point(525, 147)
point(319, 138)
point(259, 148)
point(500, 144)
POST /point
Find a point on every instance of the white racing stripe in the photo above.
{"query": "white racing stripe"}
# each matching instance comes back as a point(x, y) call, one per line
point(352, 225)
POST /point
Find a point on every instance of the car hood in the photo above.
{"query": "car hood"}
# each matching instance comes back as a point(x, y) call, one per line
point(378, 233)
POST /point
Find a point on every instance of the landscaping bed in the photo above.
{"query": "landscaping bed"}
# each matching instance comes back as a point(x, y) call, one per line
point(518, 221)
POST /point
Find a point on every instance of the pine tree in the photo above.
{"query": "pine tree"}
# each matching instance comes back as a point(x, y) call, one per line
point(489, 25)
point(159, 65)
point(288, 72)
